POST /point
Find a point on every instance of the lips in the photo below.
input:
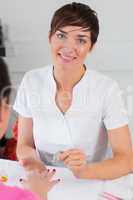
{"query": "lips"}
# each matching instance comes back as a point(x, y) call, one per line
point(66, 57)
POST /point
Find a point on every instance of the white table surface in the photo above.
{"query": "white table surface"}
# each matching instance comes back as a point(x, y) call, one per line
point(71, 188)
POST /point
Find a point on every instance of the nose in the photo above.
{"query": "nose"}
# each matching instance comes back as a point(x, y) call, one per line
point(67, 50)
point(70, 44)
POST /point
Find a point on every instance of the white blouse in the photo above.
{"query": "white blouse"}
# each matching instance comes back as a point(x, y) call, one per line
point(96, 107)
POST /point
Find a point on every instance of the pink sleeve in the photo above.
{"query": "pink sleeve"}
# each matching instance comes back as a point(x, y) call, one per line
point(15, 193)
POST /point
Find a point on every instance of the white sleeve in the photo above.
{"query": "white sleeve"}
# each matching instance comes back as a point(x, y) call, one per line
point(22, 105)
point(115, 114)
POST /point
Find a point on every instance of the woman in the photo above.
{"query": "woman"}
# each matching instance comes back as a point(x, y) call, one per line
point(39, 184)
point(70, 115)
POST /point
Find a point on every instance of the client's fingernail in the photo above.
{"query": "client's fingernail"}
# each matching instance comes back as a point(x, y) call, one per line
point(58, 180)
point(54, 170)
point(20, 179)
point(48, 170)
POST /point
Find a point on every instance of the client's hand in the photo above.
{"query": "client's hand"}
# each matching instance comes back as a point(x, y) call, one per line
point(40, 183)
point(32, 164)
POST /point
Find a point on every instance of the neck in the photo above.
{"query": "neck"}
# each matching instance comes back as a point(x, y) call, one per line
point(67, 79)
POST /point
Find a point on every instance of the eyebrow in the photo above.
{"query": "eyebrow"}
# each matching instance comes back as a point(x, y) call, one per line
point(83, 36)
point(79, 35)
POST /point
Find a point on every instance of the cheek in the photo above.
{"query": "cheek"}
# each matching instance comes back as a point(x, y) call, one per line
point(55, 45)
point(54, 49)
point(86, 50)
point(83, 52)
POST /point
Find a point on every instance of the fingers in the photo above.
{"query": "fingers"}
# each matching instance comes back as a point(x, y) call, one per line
point(76, 157)
point(69, 152)
point(43, 179)
point(73, 157)
point(48, 174)
point(74, 163)
point(24, 183)
point(54, 182)
point(41, 169)
point(64, 155)
point(44, 173)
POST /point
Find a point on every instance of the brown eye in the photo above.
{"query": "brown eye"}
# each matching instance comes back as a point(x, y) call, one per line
point(81, 41)
point(60, 35)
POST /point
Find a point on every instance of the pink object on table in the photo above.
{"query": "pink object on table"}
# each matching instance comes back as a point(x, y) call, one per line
point(15, 193)
point(110, 196)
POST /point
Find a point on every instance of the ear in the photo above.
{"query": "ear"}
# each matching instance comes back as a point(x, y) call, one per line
point(92, 47)
point(49, 37)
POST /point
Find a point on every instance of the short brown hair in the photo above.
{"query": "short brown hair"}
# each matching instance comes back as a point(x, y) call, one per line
point(76, 14)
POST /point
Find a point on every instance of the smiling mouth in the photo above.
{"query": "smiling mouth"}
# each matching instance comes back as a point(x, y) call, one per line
point(66, 57)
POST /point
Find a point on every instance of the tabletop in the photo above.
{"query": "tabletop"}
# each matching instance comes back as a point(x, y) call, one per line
point(71, 188)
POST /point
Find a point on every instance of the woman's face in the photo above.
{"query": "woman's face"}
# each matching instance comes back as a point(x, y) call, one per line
point(70, 46)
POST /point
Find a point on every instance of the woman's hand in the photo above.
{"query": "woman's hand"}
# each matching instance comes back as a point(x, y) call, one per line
point(31, 164)
point(75, 160)
point(40, 183)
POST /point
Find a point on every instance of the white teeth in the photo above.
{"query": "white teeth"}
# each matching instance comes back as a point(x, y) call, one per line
point(66, 57)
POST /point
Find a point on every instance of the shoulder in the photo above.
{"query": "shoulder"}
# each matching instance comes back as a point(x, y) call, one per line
point(39, 72)
point(100, 81)
point(37, 76)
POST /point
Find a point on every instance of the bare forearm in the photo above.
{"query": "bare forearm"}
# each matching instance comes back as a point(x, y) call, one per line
point(25, 151)
point(29, 158)
point(108, 169)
